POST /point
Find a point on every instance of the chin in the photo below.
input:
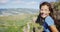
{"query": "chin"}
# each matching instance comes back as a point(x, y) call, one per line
point(43, 16)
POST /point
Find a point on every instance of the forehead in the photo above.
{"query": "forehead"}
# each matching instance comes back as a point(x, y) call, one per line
point(44, 7)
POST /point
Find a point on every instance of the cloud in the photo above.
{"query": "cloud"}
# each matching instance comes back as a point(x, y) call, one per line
point(32, 3)
point(24, 2)
point(3, 1)
point(18, 2)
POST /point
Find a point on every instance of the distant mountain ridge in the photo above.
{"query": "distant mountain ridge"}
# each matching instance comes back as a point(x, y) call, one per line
point(17, 11)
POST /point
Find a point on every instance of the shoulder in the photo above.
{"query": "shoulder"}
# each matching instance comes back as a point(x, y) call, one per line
point(49, 20)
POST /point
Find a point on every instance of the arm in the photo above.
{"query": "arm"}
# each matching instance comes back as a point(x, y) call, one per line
point(53, 28)
point(51, 24)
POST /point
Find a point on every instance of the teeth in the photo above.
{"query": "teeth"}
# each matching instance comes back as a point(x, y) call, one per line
point(43, 15)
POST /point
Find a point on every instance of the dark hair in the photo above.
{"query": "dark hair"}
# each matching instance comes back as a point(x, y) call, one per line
point(39, 19)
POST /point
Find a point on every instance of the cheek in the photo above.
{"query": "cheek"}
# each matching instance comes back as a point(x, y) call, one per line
point(48, 12)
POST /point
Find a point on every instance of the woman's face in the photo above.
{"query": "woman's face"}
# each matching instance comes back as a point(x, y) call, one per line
point(44, 11)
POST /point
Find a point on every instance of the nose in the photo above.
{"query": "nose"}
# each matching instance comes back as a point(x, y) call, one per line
point(42, 11)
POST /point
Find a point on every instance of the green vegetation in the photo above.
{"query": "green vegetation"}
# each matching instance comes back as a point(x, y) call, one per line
point(56, 7)
point(18, 23)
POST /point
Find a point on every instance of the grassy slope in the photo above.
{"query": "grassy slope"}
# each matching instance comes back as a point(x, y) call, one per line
point(14, 23)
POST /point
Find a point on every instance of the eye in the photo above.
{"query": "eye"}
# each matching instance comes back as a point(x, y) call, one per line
point(46, 9)
point(41, 9)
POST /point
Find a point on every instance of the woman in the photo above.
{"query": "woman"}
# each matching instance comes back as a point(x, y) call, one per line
point(46, 17)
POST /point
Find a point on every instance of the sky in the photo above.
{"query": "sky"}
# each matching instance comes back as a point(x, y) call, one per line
point(34, 4)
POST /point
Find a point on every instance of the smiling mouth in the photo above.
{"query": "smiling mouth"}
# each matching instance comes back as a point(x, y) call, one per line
point(43, 14)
